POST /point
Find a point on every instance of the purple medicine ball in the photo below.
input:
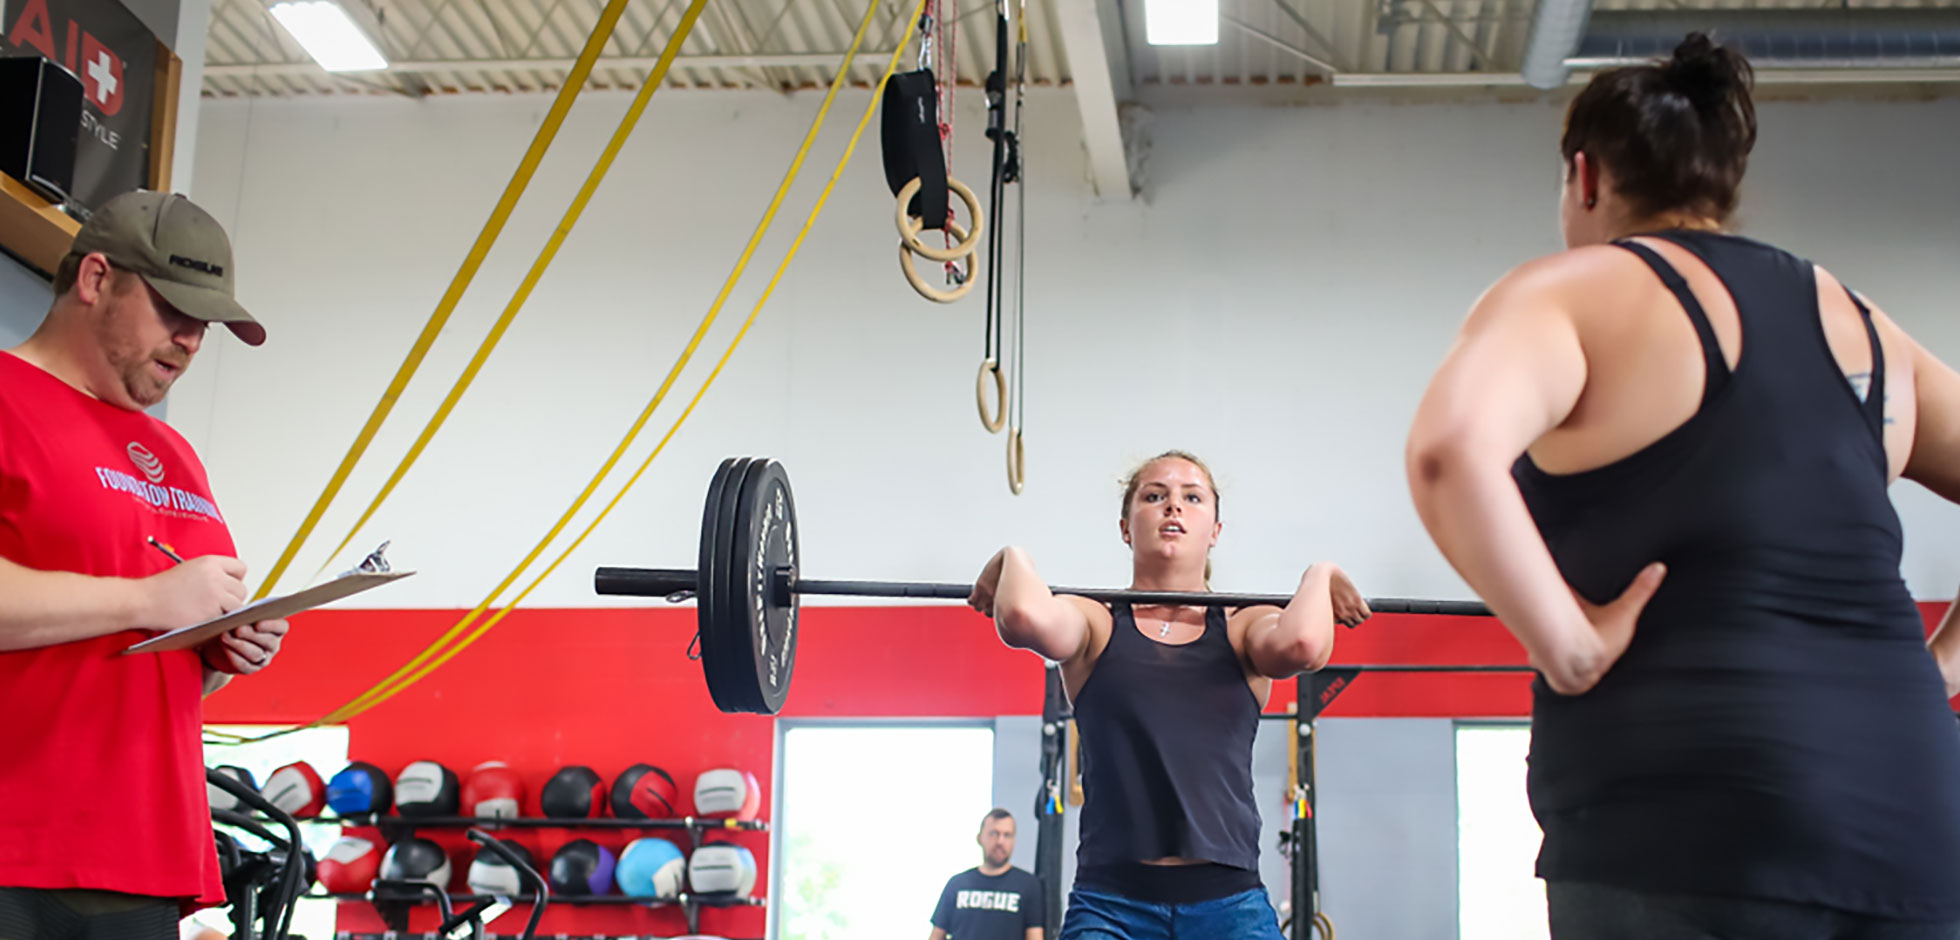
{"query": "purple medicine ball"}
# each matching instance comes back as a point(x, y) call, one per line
point(582, 867)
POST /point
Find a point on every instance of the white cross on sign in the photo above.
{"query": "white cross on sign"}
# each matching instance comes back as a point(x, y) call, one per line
point(105, 77)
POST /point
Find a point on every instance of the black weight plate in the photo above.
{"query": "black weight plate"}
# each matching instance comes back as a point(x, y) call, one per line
point(704, 601)
point(726, 677)
point(732, 682)
point(765, 543)
point(712, 572)
point(712, 568)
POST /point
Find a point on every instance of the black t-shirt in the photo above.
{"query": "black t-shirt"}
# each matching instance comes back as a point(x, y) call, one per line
point(989, 907)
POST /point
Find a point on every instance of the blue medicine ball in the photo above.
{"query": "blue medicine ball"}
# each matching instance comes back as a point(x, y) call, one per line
point(651, 868)
point(361, 788)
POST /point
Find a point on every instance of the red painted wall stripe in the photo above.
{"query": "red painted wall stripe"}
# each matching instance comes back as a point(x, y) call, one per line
point(611, 687)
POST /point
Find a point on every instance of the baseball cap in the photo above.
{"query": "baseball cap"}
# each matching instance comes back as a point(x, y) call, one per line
point(178, 248)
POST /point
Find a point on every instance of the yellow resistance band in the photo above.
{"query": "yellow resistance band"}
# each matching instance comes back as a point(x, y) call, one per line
point(794, 247)
point(381, 692)
point(510, 312)
point(530, 282)
point(416, 669)
point(526, 168)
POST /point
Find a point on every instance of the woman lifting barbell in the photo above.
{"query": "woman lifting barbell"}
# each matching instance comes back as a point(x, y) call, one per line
point(1168, 701)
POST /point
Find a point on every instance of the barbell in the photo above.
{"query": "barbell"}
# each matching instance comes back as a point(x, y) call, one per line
point(747, 582)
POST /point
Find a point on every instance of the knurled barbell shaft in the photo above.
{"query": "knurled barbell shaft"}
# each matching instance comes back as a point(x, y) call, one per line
point(665, 582)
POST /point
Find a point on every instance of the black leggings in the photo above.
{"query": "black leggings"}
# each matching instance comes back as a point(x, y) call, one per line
point(1597, 912)
point(34, 914)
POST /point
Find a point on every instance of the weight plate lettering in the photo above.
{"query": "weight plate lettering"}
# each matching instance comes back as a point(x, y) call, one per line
point(765, 546)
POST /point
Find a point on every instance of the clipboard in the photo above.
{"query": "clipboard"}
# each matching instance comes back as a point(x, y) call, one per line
point(272, 608)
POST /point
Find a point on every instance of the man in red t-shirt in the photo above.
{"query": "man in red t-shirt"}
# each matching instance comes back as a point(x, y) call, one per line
point(105, 828)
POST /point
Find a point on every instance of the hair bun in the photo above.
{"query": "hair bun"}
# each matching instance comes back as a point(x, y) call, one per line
point(1705, 73)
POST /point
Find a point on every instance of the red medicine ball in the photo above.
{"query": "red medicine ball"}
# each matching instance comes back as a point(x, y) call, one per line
point(350, 866)
point(644, 791)
point(296, 790)
point(493, 791)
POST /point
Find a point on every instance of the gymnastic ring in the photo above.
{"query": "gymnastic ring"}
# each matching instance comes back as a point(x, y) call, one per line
point(919, 283)
point(994, 422)
point(909, 225)
point(1017, 462)
point(1324, 925)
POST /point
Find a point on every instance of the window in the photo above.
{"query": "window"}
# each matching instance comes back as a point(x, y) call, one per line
point(872, 821)
point(1498, 896)
point(323, 748)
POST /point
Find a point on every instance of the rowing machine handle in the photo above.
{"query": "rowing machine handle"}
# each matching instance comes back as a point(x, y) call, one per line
point(541, 889)
point(645, 582)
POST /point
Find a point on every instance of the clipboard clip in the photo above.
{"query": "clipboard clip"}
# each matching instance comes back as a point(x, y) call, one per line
point(375, 563)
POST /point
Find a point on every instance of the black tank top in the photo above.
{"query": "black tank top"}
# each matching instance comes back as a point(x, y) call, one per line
point(1166, 735)
point(1777, 729)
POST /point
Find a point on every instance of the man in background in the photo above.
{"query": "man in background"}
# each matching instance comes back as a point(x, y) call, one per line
point(994, 901)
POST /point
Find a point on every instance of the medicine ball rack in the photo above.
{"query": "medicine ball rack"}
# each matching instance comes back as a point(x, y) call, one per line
point(690, 903)
point(351, 935)
point(692, 824)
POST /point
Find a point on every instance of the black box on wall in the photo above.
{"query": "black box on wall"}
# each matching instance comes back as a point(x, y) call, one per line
point(40, 124)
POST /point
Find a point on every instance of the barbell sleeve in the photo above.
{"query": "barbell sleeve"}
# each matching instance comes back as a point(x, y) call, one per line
point(645, 582)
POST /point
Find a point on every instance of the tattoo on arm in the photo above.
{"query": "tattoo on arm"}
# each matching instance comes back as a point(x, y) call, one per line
point(1861, 383)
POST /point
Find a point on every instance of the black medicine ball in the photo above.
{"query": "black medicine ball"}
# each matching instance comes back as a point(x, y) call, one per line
point(223, 799)
point(490, 873)
point(574, 792)
point(426, 788)
point(416, 859)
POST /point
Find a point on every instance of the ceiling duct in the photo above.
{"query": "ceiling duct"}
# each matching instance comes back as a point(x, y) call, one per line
point(1556, 28)
point(1924, 38)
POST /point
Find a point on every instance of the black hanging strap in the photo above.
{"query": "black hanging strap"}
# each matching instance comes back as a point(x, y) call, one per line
point(911, 143)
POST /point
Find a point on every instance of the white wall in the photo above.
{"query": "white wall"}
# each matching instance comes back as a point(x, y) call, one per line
point(1275, 303)
point(24, 299)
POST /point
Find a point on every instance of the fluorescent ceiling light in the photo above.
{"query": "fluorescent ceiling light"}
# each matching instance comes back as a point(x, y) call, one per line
point(328, 35)
point(1181, 22)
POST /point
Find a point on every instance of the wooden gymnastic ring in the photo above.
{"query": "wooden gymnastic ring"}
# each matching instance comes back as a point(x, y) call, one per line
point(909, 225)
point(992, 422)
point(1017, 462)
point(919, 283)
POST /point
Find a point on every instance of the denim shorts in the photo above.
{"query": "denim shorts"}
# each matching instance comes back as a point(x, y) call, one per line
point(1094, 915)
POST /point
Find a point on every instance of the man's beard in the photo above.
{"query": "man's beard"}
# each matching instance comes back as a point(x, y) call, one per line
point(142, 384)
point(137, 370)
point(136, 367)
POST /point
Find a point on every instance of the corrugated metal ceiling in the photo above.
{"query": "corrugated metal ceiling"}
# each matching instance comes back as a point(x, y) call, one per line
point(461, 46)
point(466, 46)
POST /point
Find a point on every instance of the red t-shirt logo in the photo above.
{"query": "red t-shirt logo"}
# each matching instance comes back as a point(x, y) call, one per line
point(145, 461)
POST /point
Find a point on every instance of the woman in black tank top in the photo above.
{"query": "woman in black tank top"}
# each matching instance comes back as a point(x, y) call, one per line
point(1663, 457)
point(1167, 702)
